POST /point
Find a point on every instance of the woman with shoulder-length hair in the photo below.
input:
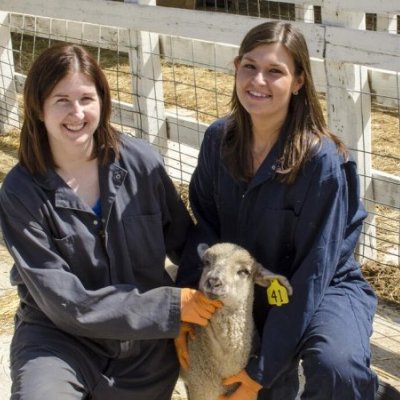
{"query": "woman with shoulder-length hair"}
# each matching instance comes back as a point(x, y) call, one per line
point(89, 215)
point(51, 67)
point(272, 178)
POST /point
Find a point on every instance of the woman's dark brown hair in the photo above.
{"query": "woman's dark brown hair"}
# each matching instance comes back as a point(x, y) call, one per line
point(304, 123)
point(51, 66)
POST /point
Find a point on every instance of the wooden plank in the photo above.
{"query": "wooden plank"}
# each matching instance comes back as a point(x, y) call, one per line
point(180, 160)
point(106, 37)
point(199, 53)
point(386, 189)
point(125, 114)
point(209, 26)
point(186, 130)
point(347, 45)
point(368, 48)
point(366, 6)
point(168, 20)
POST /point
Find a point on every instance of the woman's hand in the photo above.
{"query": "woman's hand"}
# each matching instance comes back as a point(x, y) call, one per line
point(186, 331)
point(196, 308)
point(247, 390)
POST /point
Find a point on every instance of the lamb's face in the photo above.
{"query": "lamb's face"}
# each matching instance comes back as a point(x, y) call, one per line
point(228, 274)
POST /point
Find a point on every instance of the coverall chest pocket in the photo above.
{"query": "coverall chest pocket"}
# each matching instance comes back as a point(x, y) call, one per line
point(145, 241)
point(68, 249)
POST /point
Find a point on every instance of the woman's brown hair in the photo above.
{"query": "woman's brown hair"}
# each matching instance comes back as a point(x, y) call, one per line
point(305, 122)
point(51, 66)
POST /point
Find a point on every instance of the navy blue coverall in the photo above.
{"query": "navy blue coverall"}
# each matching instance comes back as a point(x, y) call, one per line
point(307, 231)
point(98, 311)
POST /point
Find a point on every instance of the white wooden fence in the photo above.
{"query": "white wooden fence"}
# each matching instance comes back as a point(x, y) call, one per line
point(349, 63)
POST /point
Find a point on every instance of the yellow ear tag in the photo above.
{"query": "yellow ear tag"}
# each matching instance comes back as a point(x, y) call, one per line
point(277, 294)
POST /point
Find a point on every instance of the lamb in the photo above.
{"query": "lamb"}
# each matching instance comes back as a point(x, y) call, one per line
point(223, 347)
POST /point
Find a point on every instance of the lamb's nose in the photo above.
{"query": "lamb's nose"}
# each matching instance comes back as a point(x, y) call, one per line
point(213, 282)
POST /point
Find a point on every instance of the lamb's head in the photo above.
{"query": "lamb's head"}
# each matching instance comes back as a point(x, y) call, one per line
point(229, 273)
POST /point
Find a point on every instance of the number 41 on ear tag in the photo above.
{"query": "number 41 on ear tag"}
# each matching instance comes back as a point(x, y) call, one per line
point(277, 294)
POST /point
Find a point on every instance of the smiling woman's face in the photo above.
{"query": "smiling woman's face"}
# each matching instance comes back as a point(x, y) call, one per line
point(71, 114)
point(265, 81)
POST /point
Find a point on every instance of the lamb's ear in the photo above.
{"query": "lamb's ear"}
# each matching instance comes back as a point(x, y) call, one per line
point(201, 249)
point(262, 276)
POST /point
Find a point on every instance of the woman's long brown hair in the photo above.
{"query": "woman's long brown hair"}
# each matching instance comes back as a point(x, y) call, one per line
point(305, 122)
point(46, 72)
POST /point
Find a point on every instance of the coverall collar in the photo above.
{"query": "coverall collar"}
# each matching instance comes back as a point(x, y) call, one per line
point(111, 177)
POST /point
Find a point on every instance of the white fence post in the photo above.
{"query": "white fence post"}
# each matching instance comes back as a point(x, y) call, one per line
point(8, 96)
point(349, 116)
point(145, 65)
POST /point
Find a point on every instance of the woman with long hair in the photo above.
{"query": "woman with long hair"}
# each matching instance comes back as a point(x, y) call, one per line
point(274, 179)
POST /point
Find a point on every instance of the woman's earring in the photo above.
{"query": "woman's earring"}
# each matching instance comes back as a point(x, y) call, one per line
point(295, 93)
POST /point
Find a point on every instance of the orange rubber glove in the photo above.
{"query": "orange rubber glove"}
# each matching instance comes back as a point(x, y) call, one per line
point(247, 390)
point(186, 331)
point(196, 308)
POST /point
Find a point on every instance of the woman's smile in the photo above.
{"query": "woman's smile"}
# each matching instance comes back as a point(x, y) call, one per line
point(75, 127)
point(265, 81)
point(72, 114)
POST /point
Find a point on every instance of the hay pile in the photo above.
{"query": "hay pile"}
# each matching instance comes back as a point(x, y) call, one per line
point(8, 305)
point(385, 279)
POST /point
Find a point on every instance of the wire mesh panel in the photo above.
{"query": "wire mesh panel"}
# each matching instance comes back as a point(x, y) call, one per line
point(385, 148)
point(167, 89)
